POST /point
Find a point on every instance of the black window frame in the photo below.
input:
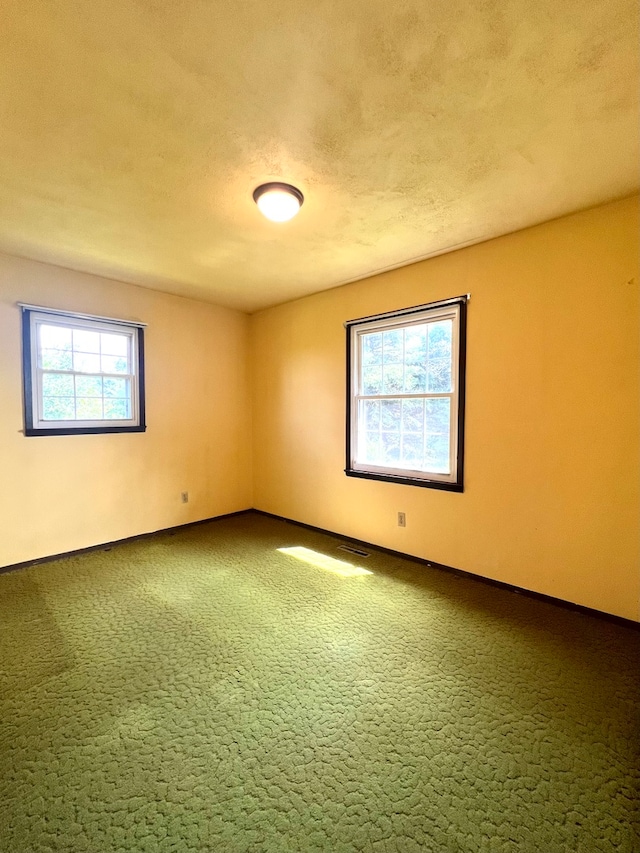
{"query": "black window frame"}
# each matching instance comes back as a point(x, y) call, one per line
point(456, 484)
point(138, 396)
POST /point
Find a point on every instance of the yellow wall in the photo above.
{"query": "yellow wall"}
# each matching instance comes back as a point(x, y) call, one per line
point(551, 498)
point(60, 493)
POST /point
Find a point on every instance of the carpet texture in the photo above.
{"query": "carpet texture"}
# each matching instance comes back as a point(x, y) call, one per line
point(204, 691)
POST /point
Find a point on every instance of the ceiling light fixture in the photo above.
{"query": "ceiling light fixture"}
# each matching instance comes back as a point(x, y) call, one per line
point(277, 201)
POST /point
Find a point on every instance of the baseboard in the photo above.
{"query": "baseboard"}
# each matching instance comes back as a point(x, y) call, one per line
point(517, 590)
point(105, 546)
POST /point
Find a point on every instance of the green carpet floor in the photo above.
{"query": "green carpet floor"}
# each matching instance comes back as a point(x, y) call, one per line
point(203, 691)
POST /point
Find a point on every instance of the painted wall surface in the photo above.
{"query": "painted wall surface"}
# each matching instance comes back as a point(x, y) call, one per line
point(551, 500)
point(60, 493)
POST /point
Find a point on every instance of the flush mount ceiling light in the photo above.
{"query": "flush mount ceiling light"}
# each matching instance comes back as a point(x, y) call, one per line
point(278, 202)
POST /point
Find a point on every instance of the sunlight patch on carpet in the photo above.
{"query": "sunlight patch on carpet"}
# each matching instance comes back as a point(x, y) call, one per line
point(322, 561)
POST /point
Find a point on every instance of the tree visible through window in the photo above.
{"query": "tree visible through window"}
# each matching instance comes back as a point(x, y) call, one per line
point(406, 395)
point(81, 374)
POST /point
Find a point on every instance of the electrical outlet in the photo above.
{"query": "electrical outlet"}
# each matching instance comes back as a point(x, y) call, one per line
point(402, 519)
point(184, 497)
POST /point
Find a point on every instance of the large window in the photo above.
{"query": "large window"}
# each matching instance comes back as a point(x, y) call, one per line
point(81, 374)
point(406, 395)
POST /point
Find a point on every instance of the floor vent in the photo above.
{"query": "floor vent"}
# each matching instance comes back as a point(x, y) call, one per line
point(353, 550)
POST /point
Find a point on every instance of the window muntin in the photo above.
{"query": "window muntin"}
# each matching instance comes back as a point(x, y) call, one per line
point(406, 396)
point(81, 374)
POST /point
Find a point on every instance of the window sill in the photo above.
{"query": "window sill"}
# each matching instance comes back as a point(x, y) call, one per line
point(406, 481)
point(83, 430)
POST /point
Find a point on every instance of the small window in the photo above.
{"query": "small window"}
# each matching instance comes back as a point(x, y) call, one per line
point(406, 396)
point(81, 374)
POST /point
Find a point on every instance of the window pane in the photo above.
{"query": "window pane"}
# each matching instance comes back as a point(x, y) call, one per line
point(412, 451)
point(415, 379)
point(415, 345)
point(114, 344)
point(115, 408)
point(390, 448)
point(88, 408)
point(371, 349)
point(372, 453)
point(86, 341)
point(439, 379)
point(391, 412)
point(56, 359)
point(57, 385)
point(372, 380)
point(392, 381)
point(437, 454)
point(370, 412)
point(392, 346)
point(58, 408)
point(116, 387)
point(89, 386)
point(439, 371)
point(55, 337)
point(440, 339)
point(413, 416)
point(438, 416)
point(86, 363)
point(114, 364)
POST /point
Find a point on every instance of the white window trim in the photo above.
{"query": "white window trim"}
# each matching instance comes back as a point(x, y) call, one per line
point(451, 309)
point(35, 424)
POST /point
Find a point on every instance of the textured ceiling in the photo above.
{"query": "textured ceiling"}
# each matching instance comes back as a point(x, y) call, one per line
point(133, 132)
